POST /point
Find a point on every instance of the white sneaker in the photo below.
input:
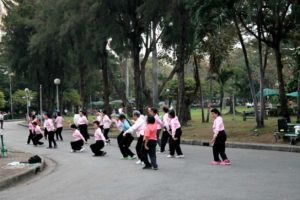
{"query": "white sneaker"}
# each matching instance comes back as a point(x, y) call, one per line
point(72, 151)
point(180, 156)
point(138, 162)
point(82, 149)
point(170, 156)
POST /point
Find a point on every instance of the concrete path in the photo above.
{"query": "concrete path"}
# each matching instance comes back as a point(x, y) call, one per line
point(254, 174)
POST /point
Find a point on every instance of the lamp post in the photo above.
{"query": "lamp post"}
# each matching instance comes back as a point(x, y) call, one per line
point(57, 82)
point(27, 101)
point(10, 91)
point(41, 100)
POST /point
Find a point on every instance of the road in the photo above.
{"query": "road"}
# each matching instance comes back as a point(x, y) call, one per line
point(254, 174)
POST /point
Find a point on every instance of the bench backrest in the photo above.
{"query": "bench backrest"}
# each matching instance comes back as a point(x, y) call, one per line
point(282, 125)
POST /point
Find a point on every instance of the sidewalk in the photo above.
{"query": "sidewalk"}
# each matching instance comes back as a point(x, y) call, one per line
point(13, 174)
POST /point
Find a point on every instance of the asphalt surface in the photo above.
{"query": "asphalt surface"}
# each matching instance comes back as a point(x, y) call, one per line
point(254, 174)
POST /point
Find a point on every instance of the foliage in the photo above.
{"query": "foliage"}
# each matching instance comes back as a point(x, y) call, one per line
point(72, 97)
point(2, 100)
point(19, 98)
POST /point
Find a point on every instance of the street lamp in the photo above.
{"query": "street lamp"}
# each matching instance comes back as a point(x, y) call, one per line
point(57, 82)
point(10, 91)
point(27, 100)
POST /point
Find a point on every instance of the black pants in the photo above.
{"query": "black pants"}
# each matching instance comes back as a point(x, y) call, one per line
point(139, 146)
point(105, 133)
point(124, 144)
point(1, 123)
point(158, 137)
point(45, 133)
point(151, 152)
point(219, 146)
point(175, 144)
point(101, 127)
point(83, 130)
point(164, 140)
point(51, 139)
point(58, 133)
point(96, 147)
point(77, 145)
point(36, 139)
point(29, 137)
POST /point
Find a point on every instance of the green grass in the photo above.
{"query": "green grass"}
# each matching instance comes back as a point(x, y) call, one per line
point(237, 130)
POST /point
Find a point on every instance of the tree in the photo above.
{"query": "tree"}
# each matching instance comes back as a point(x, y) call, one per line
point(179, 36)
point(20, 101)
point(277, 21)
point(2, 100)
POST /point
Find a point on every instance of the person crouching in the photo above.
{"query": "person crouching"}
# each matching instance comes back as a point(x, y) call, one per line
point(149, 144)
point(37, 134)
point(100, 140)
point(79, 140)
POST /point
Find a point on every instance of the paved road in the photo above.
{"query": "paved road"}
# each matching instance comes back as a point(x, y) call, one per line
point(253, 175)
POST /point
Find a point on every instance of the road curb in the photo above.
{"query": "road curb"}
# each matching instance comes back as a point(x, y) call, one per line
point(239, 145)
point(22, 176)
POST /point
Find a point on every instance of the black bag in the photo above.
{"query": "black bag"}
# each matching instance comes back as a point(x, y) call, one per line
point(34, 159)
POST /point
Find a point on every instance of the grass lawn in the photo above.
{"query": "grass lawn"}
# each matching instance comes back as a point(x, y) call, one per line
point(237, 130)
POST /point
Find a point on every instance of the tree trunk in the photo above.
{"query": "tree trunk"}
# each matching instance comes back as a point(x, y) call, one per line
point(261, 68)
point(137, 76)
point(210, 98)
point(298, 100)
point(154, 70)
point(221, 96)
point(282, 95)
point(106, 86)
point(199, 85)
point(248, 69)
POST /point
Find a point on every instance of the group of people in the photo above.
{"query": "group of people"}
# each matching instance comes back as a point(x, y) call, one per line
point(146, 128)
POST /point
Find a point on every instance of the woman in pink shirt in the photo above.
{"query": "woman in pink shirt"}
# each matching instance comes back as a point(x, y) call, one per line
point(100, 140)
point(79, 140)
point(176, 135)
point(106, 125)
point(59, 121)
point(149, 144)
point(219, 139)
point(159, 123)
point(83, 125)
point(49, 130)
point(37, 134)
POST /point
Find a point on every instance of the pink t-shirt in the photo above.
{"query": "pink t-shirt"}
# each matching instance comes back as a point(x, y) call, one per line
point(158, 121)
point(106, 122)
point(48, 124)
point(77, 135)
point(36, 130)
point(218, 126)
point(174, 125)
point(59, 121)
point(99, 135)
point(82, 120)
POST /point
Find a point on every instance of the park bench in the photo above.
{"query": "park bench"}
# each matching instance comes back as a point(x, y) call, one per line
point(287, 130)
point(248, 115)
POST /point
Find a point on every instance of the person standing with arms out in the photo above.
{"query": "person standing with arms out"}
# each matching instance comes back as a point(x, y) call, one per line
point(100, 141)
point(138, 127)
point(2, 115)
point(176, 135)
point(154, 112)
point(49, 128)
point(37, 134)
point(166, 132)
point(219, 139)
point(79, 140)
point(125, 141)
point(59, 122)
point(106, 125)
point(149, 144)
point(83, 125)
